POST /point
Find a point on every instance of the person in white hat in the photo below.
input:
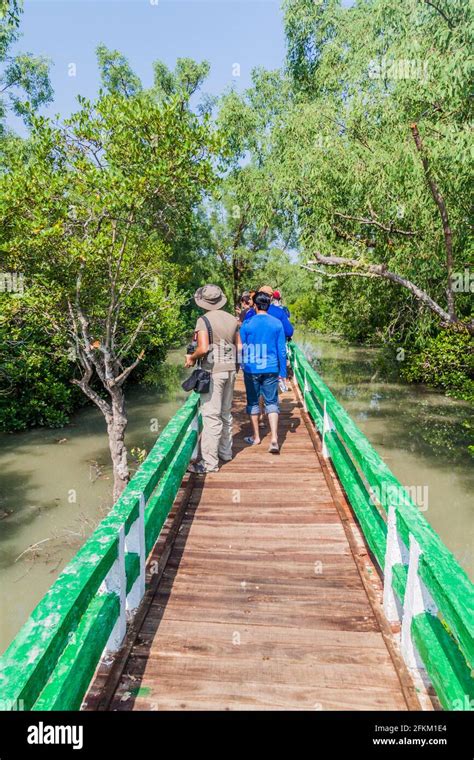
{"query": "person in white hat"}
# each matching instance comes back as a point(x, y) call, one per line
point(218, 341)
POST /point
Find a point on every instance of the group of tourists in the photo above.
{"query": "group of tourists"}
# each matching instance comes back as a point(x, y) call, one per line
point(256, 340)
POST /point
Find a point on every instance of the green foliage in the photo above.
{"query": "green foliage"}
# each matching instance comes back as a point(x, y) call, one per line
point(35, 367)
point(344, 158)
point(352, 156)
point(305, 310)
point(118, 77)
point(24, 78)
point(446, 362)
point(116, 73)
point(310, 28)
point(249, 222)
point(279, 269)
point(96, 213)
point(317, 158)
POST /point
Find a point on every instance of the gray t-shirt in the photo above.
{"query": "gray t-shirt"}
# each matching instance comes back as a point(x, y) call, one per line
point(221, 356)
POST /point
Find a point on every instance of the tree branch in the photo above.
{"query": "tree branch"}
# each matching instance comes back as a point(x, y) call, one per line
point(338, 274)
point(443, 212)
point(120, 379)
point(385, 227)
point(380, 270)
point(83, 384)
point(85, 330)
point(129, 344)
point(441, 13)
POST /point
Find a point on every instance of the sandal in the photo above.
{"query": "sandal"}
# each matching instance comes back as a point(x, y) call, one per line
point(274, 448)
point(248, 439)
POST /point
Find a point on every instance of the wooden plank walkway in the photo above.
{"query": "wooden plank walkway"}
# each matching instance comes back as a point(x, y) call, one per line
point(268, 600)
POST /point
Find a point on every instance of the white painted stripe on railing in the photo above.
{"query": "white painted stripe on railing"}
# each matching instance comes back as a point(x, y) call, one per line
point(295, 367)
point(328, 426)
point(135, 542)
point(417, 600)
point(142, 543)
point(195, 426)
point(116, 581)
point(305, 391)
point(396, 553)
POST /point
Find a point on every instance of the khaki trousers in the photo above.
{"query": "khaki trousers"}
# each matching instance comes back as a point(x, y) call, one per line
point(216, 411)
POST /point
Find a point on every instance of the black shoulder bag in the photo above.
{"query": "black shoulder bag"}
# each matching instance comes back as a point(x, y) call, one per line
point(200, 379)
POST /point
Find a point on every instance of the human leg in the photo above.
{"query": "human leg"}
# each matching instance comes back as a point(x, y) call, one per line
point(211, 414)
point(225, 444)
point(270, 394)
point(252, 388)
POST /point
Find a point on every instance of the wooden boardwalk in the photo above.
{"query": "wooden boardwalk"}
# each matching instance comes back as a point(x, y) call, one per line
point(268, 598)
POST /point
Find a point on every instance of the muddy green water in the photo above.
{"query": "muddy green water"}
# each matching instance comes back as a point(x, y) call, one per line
point(55, 487)
point(422, 435)
point(55, 484)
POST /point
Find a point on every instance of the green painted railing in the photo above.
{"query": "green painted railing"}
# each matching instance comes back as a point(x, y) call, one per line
point(424, 587)
point(50, 663)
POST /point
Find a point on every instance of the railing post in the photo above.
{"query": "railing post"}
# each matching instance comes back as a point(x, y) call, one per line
point(295, 367)
point(305, 390)
point(195, 426)
point(328, 426)
point(417, 600)
point(116, 582)
point(396, 553)
point(135, 542)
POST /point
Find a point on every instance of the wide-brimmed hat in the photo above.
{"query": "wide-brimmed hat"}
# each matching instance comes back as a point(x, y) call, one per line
point(210, 297)
point(266, 289)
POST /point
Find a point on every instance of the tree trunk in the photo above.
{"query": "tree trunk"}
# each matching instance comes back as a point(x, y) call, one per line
point(236, 272)
point(116, 425)
point(443, 212)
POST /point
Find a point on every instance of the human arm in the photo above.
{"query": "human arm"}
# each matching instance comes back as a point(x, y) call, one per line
point(287, 326)
point(201, 350)
point(238, 349)
point(281, 348)
point(279, 313)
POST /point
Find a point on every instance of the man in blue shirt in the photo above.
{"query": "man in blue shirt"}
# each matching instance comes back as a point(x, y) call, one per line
point(264, 362)
point(274, 311)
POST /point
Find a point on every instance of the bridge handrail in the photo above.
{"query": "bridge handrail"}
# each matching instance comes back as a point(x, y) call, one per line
point(52, 659)
point(425, 589)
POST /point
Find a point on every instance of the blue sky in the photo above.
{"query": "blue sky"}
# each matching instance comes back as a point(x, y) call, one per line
point(224, 32)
